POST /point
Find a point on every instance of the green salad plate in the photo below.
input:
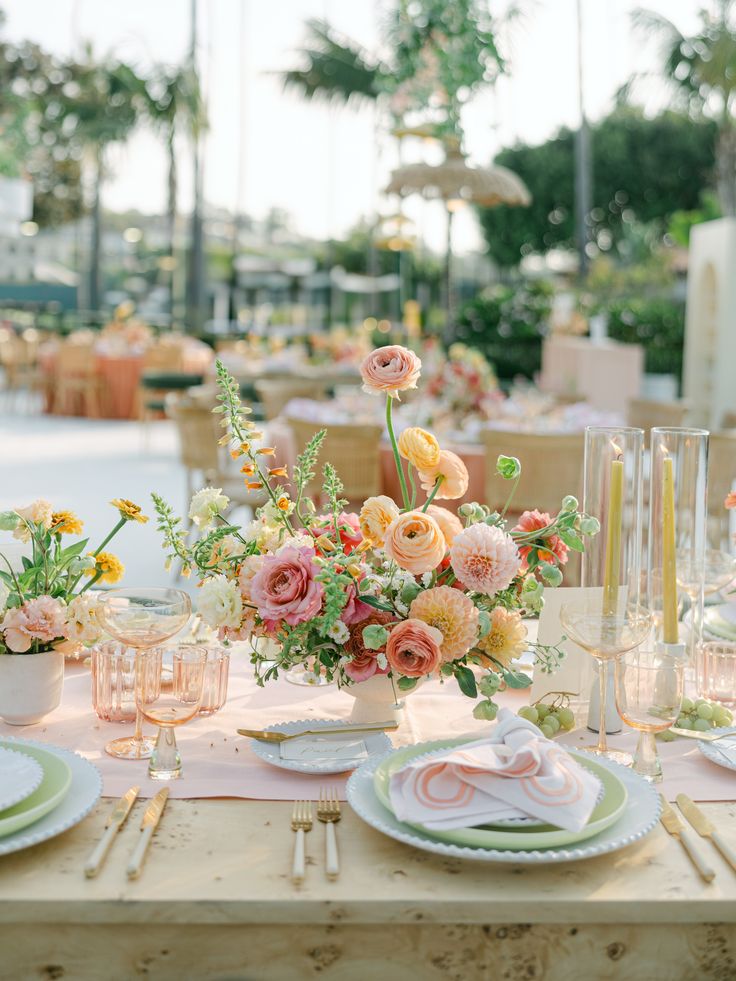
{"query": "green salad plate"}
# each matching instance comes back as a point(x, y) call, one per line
point(57, 778)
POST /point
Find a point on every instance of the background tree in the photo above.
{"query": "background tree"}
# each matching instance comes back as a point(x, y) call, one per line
point(644, 171)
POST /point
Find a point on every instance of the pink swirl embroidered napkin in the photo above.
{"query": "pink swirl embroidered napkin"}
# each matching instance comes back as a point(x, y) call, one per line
point(515, 772)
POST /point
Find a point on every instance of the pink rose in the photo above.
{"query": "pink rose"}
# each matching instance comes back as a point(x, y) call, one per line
point(355, 610)
point(285, 588)
point(414, 648)
point(391, 369)
point(363, 664)
point(42, 618)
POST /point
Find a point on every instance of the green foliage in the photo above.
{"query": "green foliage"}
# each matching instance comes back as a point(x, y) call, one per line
point(644, 170)
point(656, 323)
point(507, 324)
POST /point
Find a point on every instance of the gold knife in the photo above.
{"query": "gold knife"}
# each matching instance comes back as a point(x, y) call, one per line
point(272, 736)
point(148, 825)
point(674, 826)
point(114, 823)
point(704, 737)
point(705, 829)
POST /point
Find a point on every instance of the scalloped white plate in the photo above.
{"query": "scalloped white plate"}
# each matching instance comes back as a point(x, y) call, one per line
point(83, 794)
point(722, 751)
point(639, 818)
point(20, 776)
point(376, 743)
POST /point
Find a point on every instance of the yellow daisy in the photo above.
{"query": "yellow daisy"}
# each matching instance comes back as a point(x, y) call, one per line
point(65, 523)
point(128, 510)
point(109, 566)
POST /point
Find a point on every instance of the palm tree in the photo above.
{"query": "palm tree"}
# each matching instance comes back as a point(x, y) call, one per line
point(100, 107)
point(173, 103)
point(701, 69)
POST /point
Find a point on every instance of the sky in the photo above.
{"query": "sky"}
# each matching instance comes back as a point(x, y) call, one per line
point(326, 167)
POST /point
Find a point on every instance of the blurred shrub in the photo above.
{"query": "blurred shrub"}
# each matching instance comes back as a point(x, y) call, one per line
point(507, 324)
point(658, 324)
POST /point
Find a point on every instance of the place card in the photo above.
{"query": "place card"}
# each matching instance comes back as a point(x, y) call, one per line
point(312, 749)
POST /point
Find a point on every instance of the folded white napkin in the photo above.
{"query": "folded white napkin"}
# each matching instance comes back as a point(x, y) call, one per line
point(512, 773)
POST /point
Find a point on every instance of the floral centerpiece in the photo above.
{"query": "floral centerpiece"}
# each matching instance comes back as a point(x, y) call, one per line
point(465, 384)
point(45, 605)
point(406, 589)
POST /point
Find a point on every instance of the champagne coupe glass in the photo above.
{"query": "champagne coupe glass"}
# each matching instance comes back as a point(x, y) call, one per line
point(717, 570)
point(310, 674)
point(612, 616)
point(606, 635)
point(171, 704)
point(649, 688)
point(141, 618)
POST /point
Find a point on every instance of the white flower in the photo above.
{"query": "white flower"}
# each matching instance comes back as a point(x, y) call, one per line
point(39, 512)
point(339, 632)
point(220, 603)
point(273, 515)
point(426, 579)
point(382, 660)
point(82, 625)
point(206, 504)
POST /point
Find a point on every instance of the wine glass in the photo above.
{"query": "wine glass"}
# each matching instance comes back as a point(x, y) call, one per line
point(170, 704)
point(649, 687)
point(141, 618)
point(606, 635)
point(713, 573)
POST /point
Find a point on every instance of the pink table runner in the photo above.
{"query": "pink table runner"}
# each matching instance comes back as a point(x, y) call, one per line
point(219, 763)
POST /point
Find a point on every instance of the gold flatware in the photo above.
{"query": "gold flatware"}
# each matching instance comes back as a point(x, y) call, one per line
point(704, 737)
point(272, 736)
point(328, 812)
point(148, 825)
point(674, 826)
point(301, 822)
point(115, 820)
point(705, 829)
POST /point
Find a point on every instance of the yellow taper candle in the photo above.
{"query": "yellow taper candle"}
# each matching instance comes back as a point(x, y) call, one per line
point(613, 536)
point(670, 633)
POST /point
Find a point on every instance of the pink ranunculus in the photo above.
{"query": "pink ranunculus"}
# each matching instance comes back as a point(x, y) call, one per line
point(285, 588)
point(41, 619)
point(414, 648)
point(390, 370)
point(355, 609)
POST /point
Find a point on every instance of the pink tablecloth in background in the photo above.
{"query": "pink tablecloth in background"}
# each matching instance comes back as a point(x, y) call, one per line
point(219, 763)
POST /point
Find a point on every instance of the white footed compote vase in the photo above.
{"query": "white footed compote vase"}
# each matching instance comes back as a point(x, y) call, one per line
point(377, 699)
point(142, 618)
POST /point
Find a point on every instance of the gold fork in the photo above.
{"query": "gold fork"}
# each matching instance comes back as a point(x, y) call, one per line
point(301, 821)
point(328, 811)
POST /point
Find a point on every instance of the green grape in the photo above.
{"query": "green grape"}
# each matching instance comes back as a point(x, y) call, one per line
point(687, 705)
point(543, 711)
point(547, 730)
point(552, 722)
point(684, 723)
point(681, 720)
point(529, 713)
point(705, 711)
point(701, 725)
point(721, 716)
point(567, 718)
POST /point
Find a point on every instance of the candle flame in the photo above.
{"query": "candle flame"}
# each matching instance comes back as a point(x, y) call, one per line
point(618, 452)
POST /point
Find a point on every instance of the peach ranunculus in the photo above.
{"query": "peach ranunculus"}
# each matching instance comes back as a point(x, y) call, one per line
point(415, 541)
point(42, 618)
point(376, 515)
point(454, 473)
point(450, 524)
point(455, 616)
point(391, 369)
point(419, 447)
point(553, 546)
point(730, 502)
point(414, 649)
point(40, 512)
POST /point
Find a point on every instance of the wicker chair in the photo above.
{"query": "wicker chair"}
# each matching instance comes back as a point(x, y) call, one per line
point(354, 451)
point(276, 393)
point(721, 478)
point(76, 381)
point(646, 414)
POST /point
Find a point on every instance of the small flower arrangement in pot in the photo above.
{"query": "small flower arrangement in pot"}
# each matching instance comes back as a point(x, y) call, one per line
point(46, 609)
point(402, 591)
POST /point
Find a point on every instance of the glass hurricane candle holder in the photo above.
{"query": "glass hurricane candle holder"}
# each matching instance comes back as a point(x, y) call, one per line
point(113, 681)
point(649, 688)
point(611, 565)
point(677, 530)
point(715, 672)
point(172, 705)
point(141, 618)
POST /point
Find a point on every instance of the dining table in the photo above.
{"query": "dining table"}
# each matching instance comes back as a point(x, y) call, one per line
point(216, 899)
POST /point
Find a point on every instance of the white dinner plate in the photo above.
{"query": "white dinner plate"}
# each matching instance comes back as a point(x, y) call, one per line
point(83, 794)
point(722, 751)
point(20, 775)
point(376, 744)
point(639, 818)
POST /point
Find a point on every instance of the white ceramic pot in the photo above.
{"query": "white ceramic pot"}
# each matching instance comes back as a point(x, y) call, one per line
point(375, 700)
point(30, 686)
